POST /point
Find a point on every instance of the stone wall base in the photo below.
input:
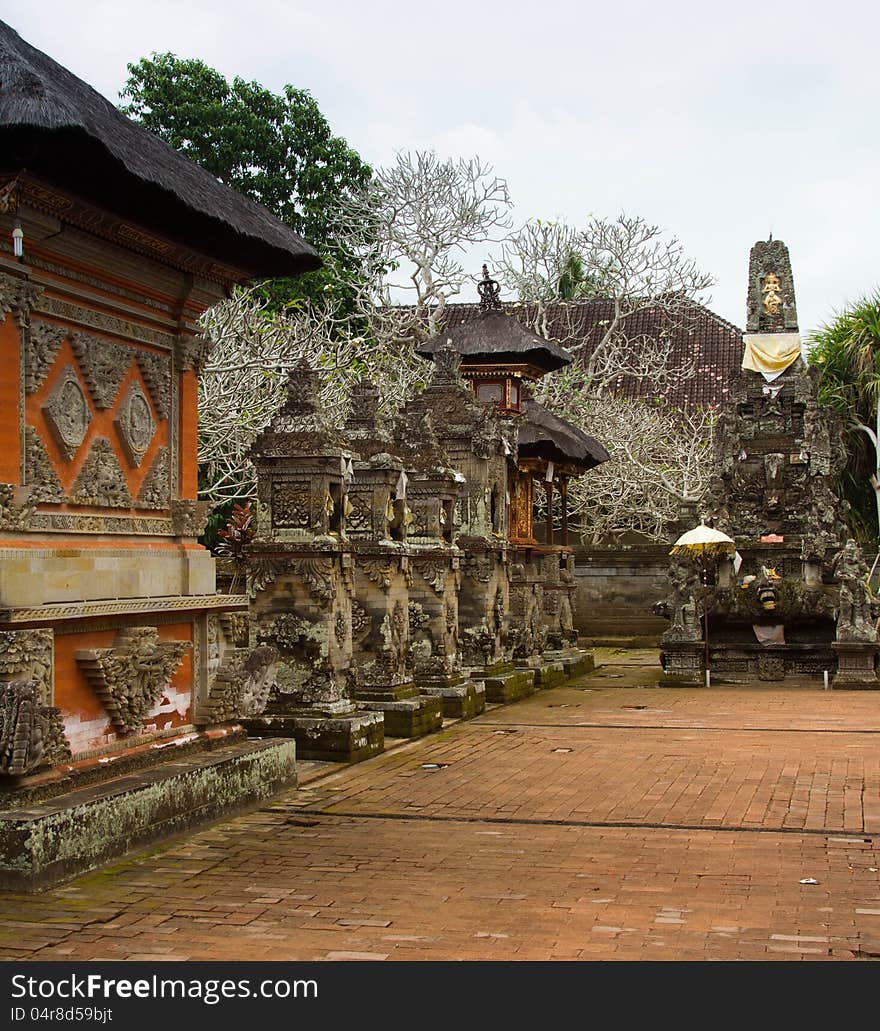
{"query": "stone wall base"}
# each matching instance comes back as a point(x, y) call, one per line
point(347, 738)
point(64, 836)
point(855, 666)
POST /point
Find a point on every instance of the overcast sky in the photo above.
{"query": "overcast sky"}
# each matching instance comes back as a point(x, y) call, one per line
point(720, 122)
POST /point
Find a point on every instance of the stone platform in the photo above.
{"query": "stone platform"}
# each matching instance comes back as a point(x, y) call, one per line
point(408, 717)
point(48, 841)
point(462, 699)
point(348, 737)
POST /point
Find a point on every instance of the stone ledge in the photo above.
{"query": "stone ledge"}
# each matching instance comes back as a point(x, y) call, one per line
point(62, 837)
point(122, 607)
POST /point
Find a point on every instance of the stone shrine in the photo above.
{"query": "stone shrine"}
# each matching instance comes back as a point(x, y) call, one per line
point(794, 601)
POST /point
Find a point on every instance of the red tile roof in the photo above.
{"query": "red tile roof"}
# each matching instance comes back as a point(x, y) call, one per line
point(714, 344)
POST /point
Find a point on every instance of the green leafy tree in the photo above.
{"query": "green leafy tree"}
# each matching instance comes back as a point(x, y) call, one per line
point(275, 148)
point(846, 352)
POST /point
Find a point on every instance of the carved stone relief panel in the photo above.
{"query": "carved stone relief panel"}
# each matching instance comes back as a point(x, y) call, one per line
point(156, 370)
point(39, 473)
point(155, 490)
point(43, 341)
point(130, 677)
point(101, 482)
point(31, 728)
point(135, 424)
point(104, 365)
point(291, 504)
point(68, 413)
point(188, 518)
point(16, 507)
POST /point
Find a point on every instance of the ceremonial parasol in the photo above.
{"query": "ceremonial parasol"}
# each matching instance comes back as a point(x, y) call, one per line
point(707, 545)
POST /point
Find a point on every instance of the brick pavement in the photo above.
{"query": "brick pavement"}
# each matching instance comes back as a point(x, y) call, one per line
point(600, 820)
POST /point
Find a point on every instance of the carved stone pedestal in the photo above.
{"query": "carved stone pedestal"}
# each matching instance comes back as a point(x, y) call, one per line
point(504, 683)
point(683, 664)
point(433, 625)
point(380, 679)
point(342, 737)
point(483, 603)
point(856, 661)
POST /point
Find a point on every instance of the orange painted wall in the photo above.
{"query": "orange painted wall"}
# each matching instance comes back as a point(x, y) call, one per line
point(10, 453)
point(102, 424)
point(189, 428)
point(86, 722)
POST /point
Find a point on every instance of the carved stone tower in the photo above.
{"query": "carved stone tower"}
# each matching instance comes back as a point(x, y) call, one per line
point(777, 611)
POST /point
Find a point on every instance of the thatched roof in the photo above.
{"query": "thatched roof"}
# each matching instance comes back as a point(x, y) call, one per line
point(64, 132)
point(544, 435)
point(494, 336)
point(713, 344)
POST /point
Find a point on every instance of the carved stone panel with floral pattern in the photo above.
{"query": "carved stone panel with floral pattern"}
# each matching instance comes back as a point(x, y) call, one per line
point(104, 365)
point(291, 504)
point(43, 341)
point(135, 424)
point(156, 370)
point(68, 413)
point(155, 491)
point(39, 473)
point(101, 482)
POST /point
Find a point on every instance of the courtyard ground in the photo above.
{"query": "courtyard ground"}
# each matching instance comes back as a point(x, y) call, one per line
point(606, 819)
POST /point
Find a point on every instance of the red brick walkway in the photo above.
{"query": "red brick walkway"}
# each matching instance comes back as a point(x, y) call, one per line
point(599, 821)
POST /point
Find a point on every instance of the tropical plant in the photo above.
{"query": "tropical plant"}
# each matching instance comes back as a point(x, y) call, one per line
point(846, 351)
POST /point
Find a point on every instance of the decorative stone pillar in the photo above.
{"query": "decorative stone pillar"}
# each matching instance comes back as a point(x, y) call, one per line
point(432, 491)
point(682, 654)
point(300, 579)
point(380, 517)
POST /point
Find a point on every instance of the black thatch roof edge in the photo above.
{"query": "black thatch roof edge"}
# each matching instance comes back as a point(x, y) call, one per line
point(545, 435)
point(41, 98)
point(493, 334)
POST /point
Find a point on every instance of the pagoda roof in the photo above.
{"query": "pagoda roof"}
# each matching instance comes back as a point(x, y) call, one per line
point(544, 435)
point(494, 337)
point(62, 131)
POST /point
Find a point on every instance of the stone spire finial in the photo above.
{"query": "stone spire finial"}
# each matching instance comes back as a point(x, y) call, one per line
point(302, 406)
point(771, 304)
point(447, 363)
point(490, 292)
point(364, 405)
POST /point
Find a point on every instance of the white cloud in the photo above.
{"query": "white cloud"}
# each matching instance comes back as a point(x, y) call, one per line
point(719, 122)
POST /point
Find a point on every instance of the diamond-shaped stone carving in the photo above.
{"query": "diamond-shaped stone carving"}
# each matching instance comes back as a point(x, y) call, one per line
point(135, 424)
point(68, 413)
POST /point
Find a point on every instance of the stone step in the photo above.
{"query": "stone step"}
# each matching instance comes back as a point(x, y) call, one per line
point(51, 841)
